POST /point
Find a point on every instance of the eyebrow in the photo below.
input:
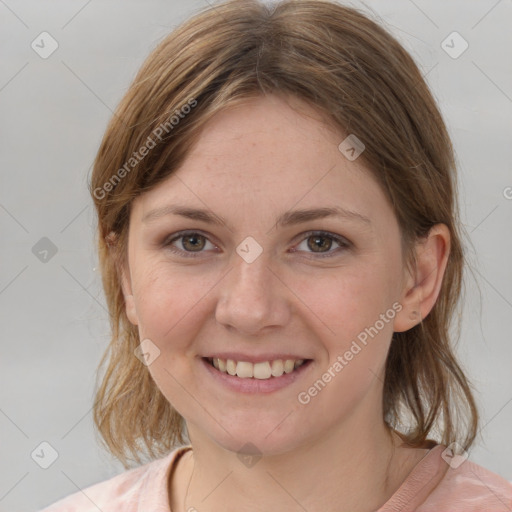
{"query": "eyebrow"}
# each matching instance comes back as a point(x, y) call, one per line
point(289, 218)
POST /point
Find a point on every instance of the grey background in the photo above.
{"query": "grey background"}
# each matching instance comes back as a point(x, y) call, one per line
point(53, 113)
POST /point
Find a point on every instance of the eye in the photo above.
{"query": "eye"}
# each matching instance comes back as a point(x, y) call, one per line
point(192, 243)
point(321, 241)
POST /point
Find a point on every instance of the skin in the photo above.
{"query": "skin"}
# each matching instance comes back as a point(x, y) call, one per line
point(252, 163)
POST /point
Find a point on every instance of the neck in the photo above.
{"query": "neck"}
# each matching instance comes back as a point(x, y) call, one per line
point(353, 469)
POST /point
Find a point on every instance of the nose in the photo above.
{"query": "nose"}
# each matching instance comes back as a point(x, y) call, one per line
point(252, 297)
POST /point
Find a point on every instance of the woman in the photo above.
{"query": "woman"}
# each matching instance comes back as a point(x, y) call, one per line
point(281, 255)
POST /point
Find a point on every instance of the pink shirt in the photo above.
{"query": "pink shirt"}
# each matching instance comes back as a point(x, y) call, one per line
point(431, 486)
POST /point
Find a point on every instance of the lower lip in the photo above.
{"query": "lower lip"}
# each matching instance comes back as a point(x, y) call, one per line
point(251, 385)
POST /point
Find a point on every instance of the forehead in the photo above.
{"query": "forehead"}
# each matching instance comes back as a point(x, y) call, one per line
point(269, 153)
point(269, 135)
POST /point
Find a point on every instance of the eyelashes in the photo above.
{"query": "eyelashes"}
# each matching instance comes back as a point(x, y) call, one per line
point(200, 241)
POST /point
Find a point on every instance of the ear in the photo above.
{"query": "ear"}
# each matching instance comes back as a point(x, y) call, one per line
point(421, 288)
point(129, 301)
point(123, 271)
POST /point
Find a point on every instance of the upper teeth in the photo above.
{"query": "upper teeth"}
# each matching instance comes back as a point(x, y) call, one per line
point(263, 370)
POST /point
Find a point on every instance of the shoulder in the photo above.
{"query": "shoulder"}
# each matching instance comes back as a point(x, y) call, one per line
point(124, 492)
point(470, 488)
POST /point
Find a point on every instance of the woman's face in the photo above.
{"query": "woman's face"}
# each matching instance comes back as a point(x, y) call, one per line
point(242, 286)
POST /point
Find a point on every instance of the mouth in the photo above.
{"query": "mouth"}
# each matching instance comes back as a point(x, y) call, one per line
point(264, 370)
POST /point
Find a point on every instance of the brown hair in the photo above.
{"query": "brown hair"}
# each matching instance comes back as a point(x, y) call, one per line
point(363, 82)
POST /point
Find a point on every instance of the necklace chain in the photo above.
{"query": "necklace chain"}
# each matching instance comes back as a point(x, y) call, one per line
point(188, 486)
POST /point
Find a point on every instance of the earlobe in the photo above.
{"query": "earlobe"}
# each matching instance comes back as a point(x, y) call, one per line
point(422, 289)
point(131, 311)
point(122, 269)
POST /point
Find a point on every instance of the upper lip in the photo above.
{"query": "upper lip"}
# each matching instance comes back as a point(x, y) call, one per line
point(260, 358)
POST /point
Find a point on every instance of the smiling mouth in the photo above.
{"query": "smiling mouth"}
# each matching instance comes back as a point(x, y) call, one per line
point(264, 370)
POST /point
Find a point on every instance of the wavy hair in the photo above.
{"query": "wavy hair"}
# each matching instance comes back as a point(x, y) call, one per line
point(362, 81)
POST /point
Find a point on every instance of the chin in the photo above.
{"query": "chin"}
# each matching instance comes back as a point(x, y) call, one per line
point(259, 438)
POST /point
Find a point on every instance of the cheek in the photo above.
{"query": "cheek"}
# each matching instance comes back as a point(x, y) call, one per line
point(166, 301)
point(354, 321)
point(347, 300)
